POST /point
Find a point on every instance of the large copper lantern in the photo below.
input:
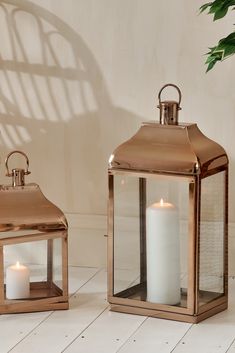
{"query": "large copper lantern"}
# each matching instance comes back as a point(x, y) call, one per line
point(33, 248)
point(168, 220)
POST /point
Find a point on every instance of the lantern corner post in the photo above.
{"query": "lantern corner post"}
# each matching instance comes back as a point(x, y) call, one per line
point(193, 251)
point(226, 233)
point(49, 262)
point(1, 275)
point(65, 263)
point(110, 244)
point(142, 218)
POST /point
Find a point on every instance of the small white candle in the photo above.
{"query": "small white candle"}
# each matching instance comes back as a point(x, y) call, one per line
point(17, 281)
point(163, 253)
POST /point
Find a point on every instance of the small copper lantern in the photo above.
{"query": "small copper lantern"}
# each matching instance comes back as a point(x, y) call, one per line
point(168, 221)
point(33, 248)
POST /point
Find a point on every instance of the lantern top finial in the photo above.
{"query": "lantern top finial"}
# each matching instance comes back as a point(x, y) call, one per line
point(169, 109)
point(17, 174)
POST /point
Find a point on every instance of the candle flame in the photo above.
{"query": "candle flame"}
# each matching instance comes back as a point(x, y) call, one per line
point(161, 202)
point(111, 158)
point(17, 264)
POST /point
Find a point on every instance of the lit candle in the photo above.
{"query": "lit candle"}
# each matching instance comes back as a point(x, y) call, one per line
point(17, 281)
point(163, 260)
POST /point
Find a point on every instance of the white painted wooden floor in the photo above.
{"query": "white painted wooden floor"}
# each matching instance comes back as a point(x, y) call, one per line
point(89, 327)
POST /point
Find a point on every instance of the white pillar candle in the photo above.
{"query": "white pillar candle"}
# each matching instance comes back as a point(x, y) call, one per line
point(163, 253)
point(17, 281)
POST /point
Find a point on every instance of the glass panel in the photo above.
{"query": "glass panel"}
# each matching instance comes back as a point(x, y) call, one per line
point(25, 270)
point(33, 269)
point(211, 271)
point(151, 239)
point(126, 232)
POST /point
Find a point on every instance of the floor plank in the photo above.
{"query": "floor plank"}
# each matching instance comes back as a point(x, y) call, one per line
point(106, 334)
point(155, 336)
point(13, 328)
point(62, 327)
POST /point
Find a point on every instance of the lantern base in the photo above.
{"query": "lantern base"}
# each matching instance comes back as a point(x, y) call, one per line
point(43, 297)
point(138, 292)
point(194, 319)
point(30, 307)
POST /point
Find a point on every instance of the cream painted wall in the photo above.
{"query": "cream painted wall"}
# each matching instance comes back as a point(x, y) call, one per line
point(78, 77)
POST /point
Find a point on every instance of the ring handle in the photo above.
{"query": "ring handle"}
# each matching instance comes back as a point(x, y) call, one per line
point(26, 172)
point(171, 85)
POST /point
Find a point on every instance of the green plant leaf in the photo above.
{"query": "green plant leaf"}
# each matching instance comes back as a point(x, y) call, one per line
point(218, 8)
point(204, 7)
point(226, 46)
point(210, 66)
point(220, 13)
point(224, 49)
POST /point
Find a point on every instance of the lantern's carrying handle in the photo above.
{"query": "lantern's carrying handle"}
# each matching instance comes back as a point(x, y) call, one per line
point(169, 109)
point(17, 174)
point(169, 85)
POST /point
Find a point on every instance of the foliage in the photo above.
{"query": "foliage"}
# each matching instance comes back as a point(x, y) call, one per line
point(226, 46)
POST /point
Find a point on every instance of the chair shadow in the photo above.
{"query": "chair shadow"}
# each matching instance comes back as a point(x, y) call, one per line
point(55, 105)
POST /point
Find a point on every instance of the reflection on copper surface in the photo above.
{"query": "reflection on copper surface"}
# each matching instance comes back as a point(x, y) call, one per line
point(25, 207)
point(181, 149)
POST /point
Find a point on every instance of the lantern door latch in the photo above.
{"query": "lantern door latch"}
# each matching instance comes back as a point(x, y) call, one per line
point(17, 174)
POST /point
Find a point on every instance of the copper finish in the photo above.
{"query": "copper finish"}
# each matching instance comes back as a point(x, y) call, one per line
point(197, 208)
point(168, 315)
point(136, 296)
point(169, 151)
point(110, 260)
point(1, 275)
point(25, 207)
point(181, 149)
point(50, 261)
point(142, 211)
point(30, 217)
point(28, 238)
point(226, 234)
point(169, 109)
point(192, 231)
point(65, 274)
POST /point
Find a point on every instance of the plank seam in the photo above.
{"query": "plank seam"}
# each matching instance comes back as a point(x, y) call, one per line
point(180, 340)
point(230, 346)
point(133, 333)
point(85, 329)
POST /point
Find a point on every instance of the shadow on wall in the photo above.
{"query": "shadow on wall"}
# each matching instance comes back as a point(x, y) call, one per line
point(54, 105)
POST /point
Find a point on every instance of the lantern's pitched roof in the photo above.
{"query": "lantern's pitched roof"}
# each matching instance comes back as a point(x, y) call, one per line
point(26, 208)
point(181, 149)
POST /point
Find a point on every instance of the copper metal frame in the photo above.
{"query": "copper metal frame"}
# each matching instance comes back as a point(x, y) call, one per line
point(192, 313)
point(44, 295)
